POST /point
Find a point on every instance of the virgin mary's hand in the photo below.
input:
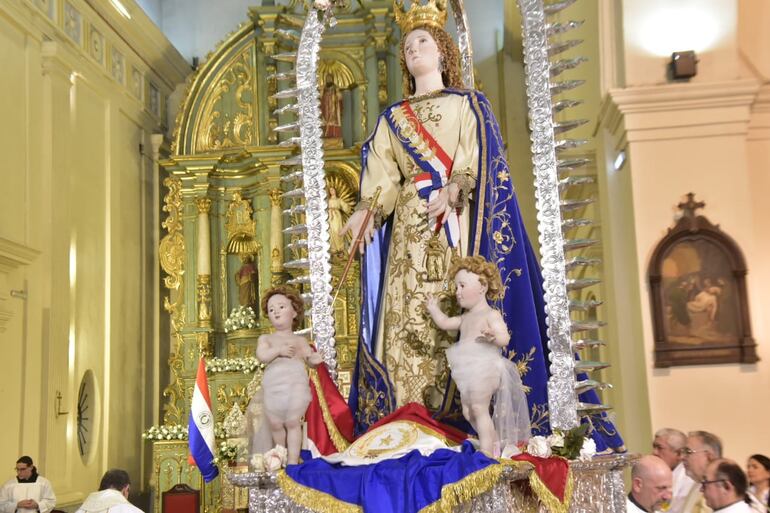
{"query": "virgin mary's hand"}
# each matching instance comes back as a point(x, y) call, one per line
point(354, 224)
point(440, 204)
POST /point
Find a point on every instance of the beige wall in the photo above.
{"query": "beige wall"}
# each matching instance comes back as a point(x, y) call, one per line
point(75, 202)
point(709, 136)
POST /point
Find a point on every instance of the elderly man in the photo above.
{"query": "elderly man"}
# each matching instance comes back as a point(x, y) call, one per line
point(650, 485)
point(701, 449)
point(112, 496)
point(29, 492)
point(724, 487)
point(668, 445)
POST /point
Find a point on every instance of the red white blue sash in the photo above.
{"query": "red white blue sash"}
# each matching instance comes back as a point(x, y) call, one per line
point(434, 162)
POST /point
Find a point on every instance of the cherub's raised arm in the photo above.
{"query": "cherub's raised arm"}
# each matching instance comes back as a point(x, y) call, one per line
point(441, 319)
point(497, 333)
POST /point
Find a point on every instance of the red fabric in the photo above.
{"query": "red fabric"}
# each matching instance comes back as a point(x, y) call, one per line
point(553, 472)
point(445, 159)
point(180, 499)
point(202, 381)
point(341, 414)
point(418, 413)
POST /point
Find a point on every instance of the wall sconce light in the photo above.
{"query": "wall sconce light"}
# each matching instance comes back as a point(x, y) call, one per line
point(683, 65)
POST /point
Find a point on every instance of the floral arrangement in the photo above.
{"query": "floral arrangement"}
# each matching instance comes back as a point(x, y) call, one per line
point(572, 444)
point(272, 460)
point(245, 365)
point(228, 451)
point(240, 318)
point(177, 432)
point(166, 432)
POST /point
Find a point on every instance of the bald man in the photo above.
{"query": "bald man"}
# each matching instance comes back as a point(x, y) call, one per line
point(650, 485)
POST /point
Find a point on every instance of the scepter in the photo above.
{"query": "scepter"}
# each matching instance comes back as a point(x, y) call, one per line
point(357, 241)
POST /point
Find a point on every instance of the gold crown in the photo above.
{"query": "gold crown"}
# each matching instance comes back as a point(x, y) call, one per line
point(433, 14)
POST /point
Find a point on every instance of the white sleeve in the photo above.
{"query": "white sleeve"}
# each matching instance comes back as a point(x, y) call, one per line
point(7, 504)
point(47, 498)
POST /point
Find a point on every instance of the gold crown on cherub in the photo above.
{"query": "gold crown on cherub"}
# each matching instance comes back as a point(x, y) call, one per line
point(433, 13)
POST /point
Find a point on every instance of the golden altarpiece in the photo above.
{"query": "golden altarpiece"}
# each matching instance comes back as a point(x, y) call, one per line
point(227, 235)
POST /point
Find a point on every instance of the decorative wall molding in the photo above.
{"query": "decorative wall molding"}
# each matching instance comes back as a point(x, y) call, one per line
point(759, 125)
point(12, 256)
point(133, 53)
point(676, 111)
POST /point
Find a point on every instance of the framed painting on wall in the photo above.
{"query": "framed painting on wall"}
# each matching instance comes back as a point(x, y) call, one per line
point(700, 311)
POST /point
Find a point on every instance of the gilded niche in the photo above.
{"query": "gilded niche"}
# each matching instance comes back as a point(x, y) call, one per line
point(227, 117)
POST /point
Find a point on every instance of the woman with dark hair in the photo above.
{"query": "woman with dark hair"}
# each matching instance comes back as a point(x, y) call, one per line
point(29, 492)
point(758, 472)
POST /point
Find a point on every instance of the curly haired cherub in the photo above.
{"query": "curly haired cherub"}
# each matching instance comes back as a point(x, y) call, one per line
point(285, 386)
point(478, 367)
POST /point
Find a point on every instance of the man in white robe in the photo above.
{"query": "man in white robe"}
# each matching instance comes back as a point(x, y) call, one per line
point(701, 449)
point(650, 485)
point(724, 487)
point(28, 492)
point(668, 445)
point(112, 496)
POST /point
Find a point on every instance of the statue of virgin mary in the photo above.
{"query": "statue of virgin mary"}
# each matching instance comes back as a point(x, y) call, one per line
point(436, 165)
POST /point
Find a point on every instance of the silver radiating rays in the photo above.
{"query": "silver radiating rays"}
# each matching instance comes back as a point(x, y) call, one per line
point(304, 178)
point(558, 215)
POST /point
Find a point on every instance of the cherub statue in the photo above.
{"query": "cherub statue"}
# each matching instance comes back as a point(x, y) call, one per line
point(478, 367)
point(285, 386)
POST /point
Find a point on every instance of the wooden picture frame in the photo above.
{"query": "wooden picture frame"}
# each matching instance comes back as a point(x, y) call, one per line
point(697, 277)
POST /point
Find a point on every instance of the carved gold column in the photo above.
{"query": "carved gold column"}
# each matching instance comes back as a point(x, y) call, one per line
point(204, 263)
point(268, 49)
point(276, 236)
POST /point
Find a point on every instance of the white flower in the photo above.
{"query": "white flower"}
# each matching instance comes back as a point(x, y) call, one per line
point(509, 451)
point(556, 440)
point(322, 4)
point(538, 446)
point(258, 463)
point(275, 458)
point(588, 450)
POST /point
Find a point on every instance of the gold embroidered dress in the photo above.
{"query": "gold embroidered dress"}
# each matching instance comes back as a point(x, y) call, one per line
point(410, 345)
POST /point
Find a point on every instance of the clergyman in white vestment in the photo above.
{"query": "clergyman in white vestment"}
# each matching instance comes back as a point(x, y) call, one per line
point(29, 492)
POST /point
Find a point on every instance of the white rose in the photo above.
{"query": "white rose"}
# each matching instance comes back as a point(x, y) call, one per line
point(258, 463)
point(283, 452)
point(556, 440)
point(538, 446)
point(272, 461)
point(588, 450)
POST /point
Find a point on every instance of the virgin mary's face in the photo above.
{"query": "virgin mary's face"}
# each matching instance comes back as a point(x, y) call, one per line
point(421, 53)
